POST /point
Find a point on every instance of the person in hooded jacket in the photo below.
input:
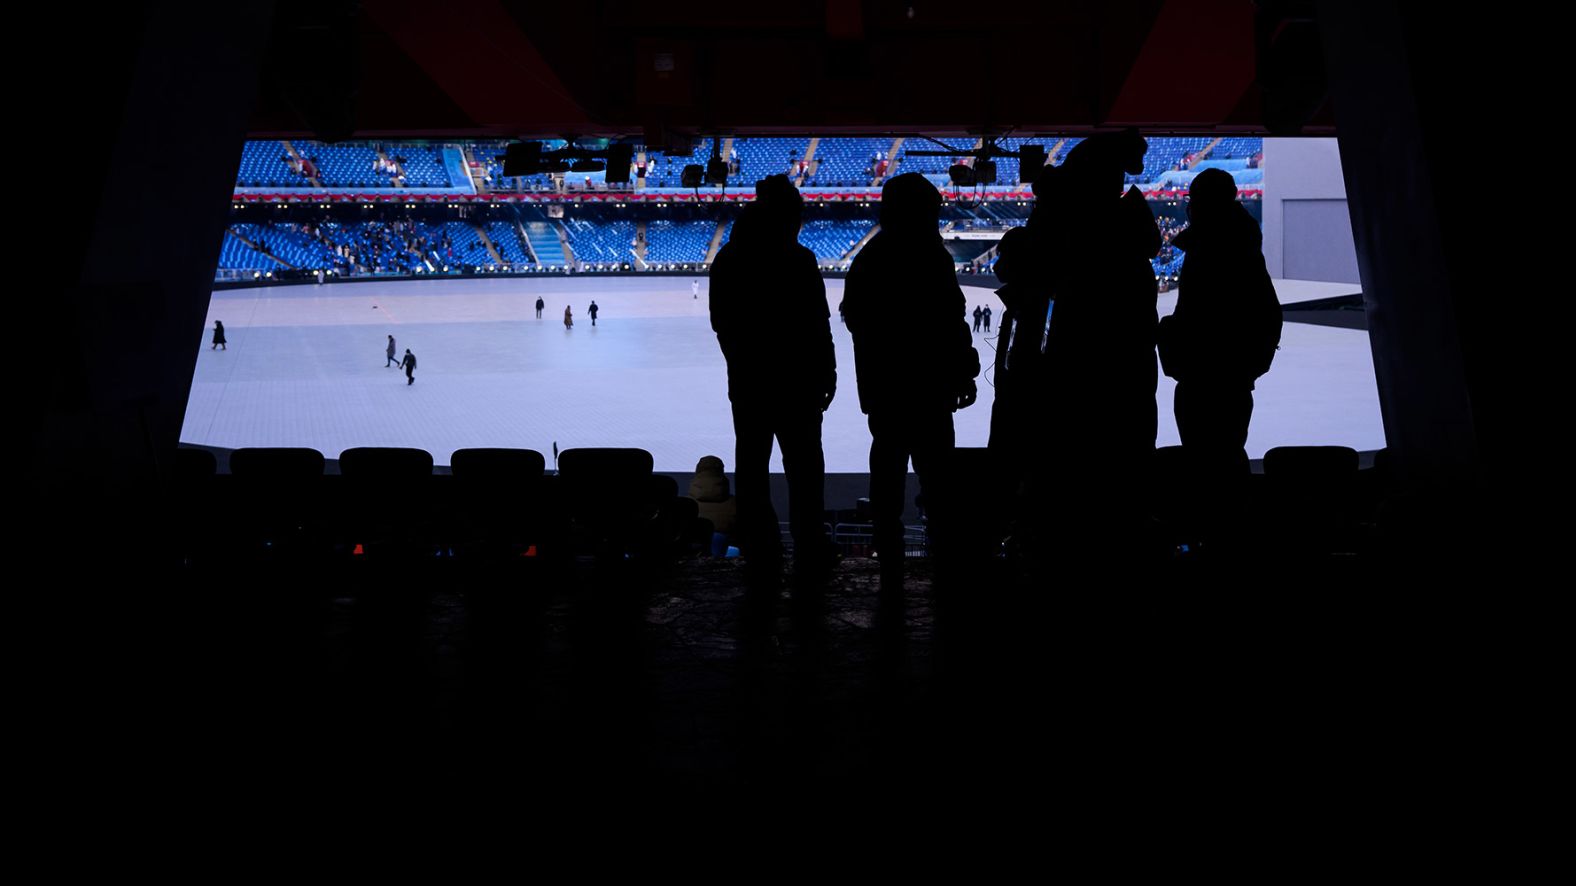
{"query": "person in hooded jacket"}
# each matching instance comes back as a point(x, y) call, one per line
point(1098, 373)
point(915, 360)
point(768, 308)
point(1227, 323)
point(1103, 334)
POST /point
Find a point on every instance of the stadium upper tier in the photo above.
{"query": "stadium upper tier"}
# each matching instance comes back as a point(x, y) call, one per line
point(352, 241)
point(824, 167)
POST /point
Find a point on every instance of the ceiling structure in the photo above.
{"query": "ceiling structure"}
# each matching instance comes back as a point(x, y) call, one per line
point(522, 68)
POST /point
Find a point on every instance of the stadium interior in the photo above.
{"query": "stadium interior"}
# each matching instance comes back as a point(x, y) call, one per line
point(374, 628)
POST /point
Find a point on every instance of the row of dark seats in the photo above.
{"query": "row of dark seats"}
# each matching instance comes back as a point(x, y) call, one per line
point(385, 503)
point(1308, 502)
point(282, 505)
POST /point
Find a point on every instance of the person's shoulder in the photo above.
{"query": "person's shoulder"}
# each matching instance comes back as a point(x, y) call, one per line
point(869, 253)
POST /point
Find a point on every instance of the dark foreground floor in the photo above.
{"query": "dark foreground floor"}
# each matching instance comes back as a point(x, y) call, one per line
point(675, 682)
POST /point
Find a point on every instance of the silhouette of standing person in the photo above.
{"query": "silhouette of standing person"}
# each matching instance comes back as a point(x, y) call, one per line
point(986, 315)
point(539, 306)
point(1026, 300)
point(979, 314)
point(1101, 348)
point(915, 361)
point(1226, 326)
point(218, 336)
point(390, 354)
point(569, 318)
point(768, 308)
point(409, 363)
point(592, 311)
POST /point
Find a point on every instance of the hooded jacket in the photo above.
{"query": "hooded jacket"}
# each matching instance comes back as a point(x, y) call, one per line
point(1228, 319)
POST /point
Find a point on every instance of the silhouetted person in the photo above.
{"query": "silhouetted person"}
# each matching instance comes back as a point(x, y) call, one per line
point(986, 314)
point(592, 311)
point(1100, 354)
point(409, 363)
point(539, 306)
point(1226, 326)
point(390, 354)
point(218, 336)
point(979, 314)
point(768, 308)
point(569, 318)
point(1016, 416)
point(915, 360)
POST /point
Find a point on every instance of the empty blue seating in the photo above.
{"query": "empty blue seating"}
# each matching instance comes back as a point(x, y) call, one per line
point(264, 165)
point(600, 242)
point(1237, 148)
point(345, 166)
point(845, 162)
point(291, 244)
point(678, 241)
point(931, 165)
point(237, 256)
point(507, 241)
point(466, 245)
point(760, 157)
point(831, 239)
point(423, 166)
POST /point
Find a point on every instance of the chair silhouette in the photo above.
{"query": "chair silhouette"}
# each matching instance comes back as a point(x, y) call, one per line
point(386, 499)
point(1311, 497)
point(609, 496)
point(500, 501)
point(277, 507)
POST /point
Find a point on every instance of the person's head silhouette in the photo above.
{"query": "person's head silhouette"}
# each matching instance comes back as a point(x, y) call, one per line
point(1097, 163)
point(775, 214)
point(1010, 252)
point(1213, 191)
point(910, 204)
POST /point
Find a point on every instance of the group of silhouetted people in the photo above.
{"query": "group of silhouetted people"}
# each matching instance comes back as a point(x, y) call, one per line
point(1081, 332)
point(569, 314)
point(1074, 422)
point(982, 318)
point(407, 363)
point(914, 361)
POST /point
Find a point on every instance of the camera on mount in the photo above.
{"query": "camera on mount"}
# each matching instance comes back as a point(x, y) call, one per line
point(531, 158)
point(983, 170)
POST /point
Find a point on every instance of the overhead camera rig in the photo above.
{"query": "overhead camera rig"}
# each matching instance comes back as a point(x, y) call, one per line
point(531, 158)
point(983, 172)
point(715, 172)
